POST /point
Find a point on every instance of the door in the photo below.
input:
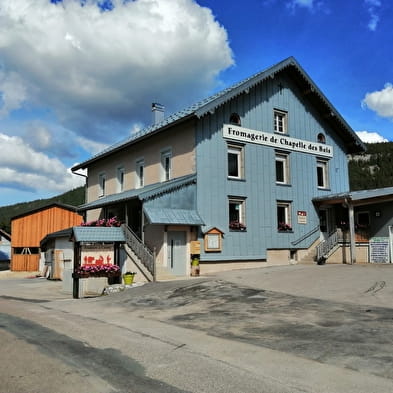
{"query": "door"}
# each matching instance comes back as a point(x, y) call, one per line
point(326, 222)
point(177, 253)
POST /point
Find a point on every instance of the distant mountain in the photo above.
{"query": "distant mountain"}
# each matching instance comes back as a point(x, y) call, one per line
point(373, 169)
point(74, 197)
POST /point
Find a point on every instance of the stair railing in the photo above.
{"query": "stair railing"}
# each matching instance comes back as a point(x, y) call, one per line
point(307, 235)
point(144, 254)
point(327, 245)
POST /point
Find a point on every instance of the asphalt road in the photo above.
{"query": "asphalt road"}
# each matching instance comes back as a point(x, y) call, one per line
point(285, 329)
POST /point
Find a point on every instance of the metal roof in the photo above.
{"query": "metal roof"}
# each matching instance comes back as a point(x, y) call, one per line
point(168, 216)
point(98, 234)
point(145, 193)
point(210, 104)
point(361, 195)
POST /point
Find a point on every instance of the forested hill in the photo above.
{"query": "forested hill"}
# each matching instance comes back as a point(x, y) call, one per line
point(74, 197)
point(373, 169)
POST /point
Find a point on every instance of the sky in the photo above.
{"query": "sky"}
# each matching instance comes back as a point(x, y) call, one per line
point(79, 75)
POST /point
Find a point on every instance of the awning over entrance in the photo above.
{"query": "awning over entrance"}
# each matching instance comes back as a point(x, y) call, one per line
point(361, 197)
point(166, 216)
point(98, 234)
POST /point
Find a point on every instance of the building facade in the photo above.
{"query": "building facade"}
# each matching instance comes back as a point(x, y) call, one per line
point(237, 172)
point(28, 229)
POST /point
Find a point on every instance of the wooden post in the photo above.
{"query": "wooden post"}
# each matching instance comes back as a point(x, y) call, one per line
point(352, 233)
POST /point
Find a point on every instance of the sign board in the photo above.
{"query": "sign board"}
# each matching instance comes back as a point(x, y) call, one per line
point(379, 250)
point(301, 217)
point(213, 240)
point(97, 254)
point(195, 247)
point(276, 140)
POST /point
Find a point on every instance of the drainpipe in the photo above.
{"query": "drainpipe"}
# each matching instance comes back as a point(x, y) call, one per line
point(351, 232)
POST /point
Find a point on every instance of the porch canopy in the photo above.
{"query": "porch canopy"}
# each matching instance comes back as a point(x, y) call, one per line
point(167, 203)
point(351, 199)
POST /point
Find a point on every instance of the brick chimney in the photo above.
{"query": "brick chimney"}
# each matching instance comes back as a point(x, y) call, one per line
point(157, 111)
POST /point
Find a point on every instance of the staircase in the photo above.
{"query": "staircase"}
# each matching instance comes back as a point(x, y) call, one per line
point(327, 247)
point(143, 258)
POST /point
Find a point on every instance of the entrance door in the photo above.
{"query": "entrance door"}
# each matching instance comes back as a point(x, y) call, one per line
point(326, 222)
point(177, 253)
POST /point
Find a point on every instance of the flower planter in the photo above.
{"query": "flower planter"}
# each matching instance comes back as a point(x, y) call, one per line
point(128, 278)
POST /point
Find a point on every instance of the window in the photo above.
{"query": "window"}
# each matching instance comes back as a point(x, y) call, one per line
point(101, 184)
point(235, 119)
point(140, 173)
point(237, 214)
point(282, 168)
point(322, 174)
point(166, 167)
point(280, 121)
point(235, 161)
point(284, 216)
point(120, 179)
point(362, 220)
point(321, 138)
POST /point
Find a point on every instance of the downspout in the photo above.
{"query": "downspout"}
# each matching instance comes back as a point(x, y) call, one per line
point(86, 180)
point(351, 216)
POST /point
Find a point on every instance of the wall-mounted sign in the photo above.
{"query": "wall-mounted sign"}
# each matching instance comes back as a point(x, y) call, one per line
point(379, 249)
point(195, 247)
point(213, 240)
point(301, 217)
point(97, 254)
point(276, 140)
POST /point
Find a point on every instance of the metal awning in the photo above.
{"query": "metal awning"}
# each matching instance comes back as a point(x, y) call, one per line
point(362, 197)
point(167, 216)
point(142, 194)
point(98, 234)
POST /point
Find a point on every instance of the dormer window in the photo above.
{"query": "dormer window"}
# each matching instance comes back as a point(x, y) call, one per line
point(235, 119)
point(321, 138)
point(280, 121)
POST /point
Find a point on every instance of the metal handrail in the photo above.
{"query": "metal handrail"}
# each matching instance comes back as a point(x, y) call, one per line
point(304, 237)
point(145, 255)
point(327, 245)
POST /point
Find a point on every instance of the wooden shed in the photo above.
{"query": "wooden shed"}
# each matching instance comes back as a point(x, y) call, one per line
point(30, 228)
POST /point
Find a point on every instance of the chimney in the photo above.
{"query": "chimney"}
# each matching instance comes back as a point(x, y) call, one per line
point(157, 112)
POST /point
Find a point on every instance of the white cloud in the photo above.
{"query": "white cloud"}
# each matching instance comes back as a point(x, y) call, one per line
point(370, 137)
point(381, 101)
point(91, 146)
point(100, 71)
point(372, 8)
point(302, 3)
point(12, 92)
point(23, 168)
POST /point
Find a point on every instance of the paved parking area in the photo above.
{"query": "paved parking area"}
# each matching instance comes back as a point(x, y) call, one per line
point(333, 314)
point(339, 315)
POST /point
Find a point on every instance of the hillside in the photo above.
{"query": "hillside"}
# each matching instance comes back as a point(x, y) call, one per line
point(372, 169)
point(74, 197)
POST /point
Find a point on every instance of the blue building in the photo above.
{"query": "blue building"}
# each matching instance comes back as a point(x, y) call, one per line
point(231, 178)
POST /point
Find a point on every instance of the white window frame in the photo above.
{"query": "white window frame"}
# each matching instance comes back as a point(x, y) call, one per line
point(287, 206)
point(238, 151)
point(120, 175)
point(322, 174)
point(166, 165)
point(280, 120)
point(282, 159)
point(101, 184)
point(241, 207)
point(140, 173)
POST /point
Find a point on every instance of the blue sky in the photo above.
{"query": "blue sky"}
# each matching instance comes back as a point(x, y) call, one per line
point(78, 76)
